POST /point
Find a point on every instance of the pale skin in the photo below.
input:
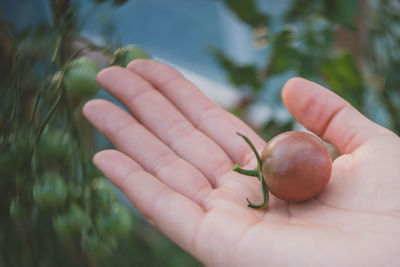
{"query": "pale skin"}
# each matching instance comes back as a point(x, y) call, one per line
point(174, 158)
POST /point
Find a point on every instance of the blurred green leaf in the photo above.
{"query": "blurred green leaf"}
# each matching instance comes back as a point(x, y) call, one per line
point(342, 12)
point(343, 76)
point(300, 9)
point(239, 75)
point(247, 12)
point(309, 65)
point(337, 11)
point(284, 57)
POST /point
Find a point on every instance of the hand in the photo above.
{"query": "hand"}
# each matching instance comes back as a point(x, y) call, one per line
point(174, 163)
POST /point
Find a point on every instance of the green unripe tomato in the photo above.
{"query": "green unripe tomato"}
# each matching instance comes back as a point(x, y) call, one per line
point(117, 223)
point(93, 171)
point(80, 78)
point(126, 54)
point(54, 145)
point(62, 225)
point(98, 245)
point(72, 222)
point(50, 192)
point(105, 195)
point(75, 191)
point(15, 153)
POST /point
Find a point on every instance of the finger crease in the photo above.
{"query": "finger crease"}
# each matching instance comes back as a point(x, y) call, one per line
point(161, 197)
point(220, 170)
point(125, 180)
point(120, 132)
point(211, 113)
point(140, 92)
point(163, 160)
point(164, 85)
point(178, 129)
point(331, 118)
point(248, 158)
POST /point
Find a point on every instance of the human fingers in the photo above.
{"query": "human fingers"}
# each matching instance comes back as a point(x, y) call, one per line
point(175, 215)
point(163, 119)
point(155, 157)
point(204, 114)
point(328, 115)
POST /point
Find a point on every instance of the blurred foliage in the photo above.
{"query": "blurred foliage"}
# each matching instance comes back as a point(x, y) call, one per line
point(244, 76)
point(57, 209)
point(351, 47)
point(343, 76)
point(247, 12)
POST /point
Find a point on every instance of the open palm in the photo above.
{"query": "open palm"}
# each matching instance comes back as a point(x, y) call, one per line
point(174, 163)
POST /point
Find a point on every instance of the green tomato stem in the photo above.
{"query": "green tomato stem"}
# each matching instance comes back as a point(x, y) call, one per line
point(252, 148)
point(236, 168)
point(51, 112)
point(259, 175)
point(265, 197)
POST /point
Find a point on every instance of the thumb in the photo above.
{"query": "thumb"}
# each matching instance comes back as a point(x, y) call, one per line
point(328, 115)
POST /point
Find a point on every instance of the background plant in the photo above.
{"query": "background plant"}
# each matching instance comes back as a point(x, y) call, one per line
point(351, 47)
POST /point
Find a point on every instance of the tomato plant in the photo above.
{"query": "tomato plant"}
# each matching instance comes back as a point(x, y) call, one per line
point(50, 191)
point(294, 166)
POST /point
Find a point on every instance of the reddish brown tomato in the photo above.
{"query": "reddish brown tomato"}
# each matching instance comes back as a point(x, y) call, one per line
point(296, 166)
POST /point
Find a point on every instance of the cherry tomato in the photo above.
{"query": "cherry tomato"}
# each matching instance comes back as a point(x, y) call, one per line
point(296, 166)
point(126, 54)
point(51, 191)
point(54, 145)
point(80, 79)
